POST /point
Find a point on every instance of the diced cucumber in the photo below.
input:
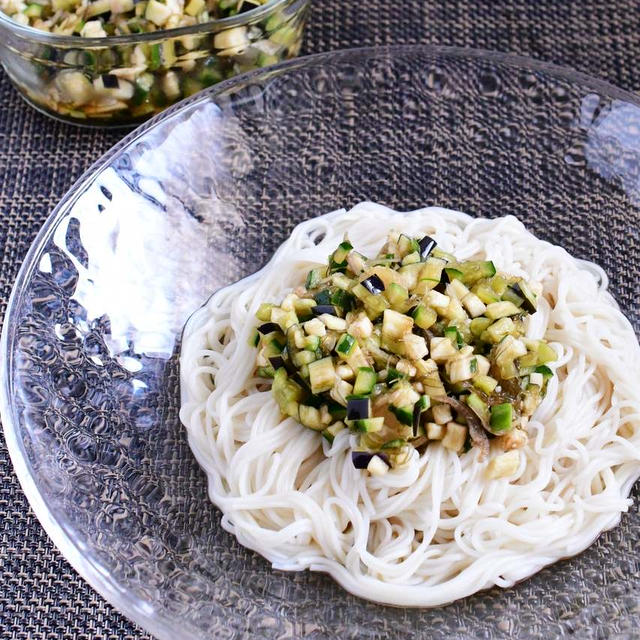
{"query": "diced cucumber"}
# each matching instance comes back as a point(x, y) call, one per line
point(93, 9)
point(530, 302)
point(499, 284)
point(342, 299)
point(331, 432)
point(485, 292)
point(475, 270)
point(370, 425)
point(486, 384)
point(510, 295)
point(403, 414)
point(338, 260)
point(528, 360)
point(451, 273)
point(322, 375)
point(161, 55)
point(407, 245)
point(411, 258)
point(501, 417)
point(407, 276)
point(545, 353)
point(360, 292)
point(300, 358)
point(545, 371)
point(33, 11)
point(264, 312)
point(346, 345)
point(498, 330)
point(365, 381)
point(157, 12)
point(304, 308)
point(356, 359)
point(315, 276)
point(284, 318)
point(478, 405)
point(455, 336)
point(478, 325)
point(287, 393)
point(393, 375)
point(432, 269)
point(394, 444)
point(342, 282)
point(310, 417)
point(424, 403)
point(312, 343)
point(497, 310)
point(396, 295)
point(424, 317)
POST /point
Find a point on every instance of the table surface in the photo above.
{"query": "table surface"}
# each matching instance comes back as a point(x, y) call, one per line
point(41, 595)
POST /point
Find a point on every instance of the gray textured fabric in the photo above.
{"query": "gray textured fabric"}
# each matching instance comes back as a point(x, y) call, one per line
point(42, 597)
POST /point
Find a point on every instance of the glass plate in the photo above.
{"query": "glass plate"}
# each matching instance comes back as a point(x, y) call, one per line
point(200, 197)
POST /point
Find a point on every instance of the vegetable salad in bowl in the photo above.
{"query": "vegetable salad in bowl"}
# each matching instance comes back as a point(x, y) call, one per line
point(118, 62)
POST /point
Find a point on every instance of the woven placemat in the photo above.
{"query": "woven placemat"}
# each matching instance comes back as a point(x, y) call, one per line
point(41, 595)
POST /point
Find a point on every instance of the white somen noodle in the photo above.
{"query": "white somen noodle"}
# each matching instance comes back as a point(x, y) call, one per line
point(436, 529)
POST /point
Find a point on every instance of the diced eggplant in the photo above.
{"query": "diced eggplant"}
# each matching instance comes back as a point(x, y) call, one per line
point(373, 284)
point(396, 325)
point(269, 327)
point(358, 408)
point(277, 362)
point(426, 245)
point(321, 309)
point(323, 297)
point(361, 459)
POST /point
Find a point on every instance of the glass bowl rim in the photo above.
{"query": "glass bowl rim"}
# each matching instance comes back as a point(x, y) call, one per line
point(58, 532)
point(78, 42)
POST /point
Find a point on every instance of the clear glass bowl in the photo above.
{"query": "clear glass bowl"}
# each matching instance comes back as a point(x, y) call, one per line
point(124, 80)
point(202, 196)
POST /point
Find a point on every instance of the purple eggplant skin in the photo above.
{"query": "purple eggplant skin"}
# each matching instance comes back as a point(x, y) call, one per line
point(373, 284)
point(361, 459)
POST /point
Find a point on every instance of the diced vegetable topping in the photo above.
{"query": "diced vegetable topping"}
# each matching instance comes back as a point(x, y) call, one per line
point(406, 348)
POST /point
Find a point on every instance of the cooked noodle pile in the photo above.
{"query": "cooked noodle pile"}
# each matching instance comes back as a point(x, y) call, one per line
point(438, 529)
